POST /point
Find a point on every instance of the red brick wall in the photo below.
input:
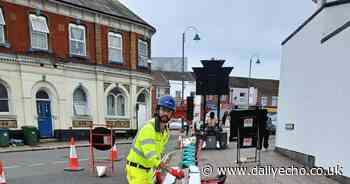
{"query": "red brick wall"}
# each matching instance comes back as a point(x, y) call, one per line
point(18, 35)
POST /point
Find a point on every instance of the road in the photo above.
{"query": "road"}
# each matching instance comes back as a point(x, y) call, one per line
point(38, 167)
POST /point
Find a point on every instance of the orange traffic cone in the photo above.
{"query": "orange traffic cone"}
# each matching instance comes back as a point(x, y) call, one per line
point(73, 158)
point(2, 174)
point(114, 153)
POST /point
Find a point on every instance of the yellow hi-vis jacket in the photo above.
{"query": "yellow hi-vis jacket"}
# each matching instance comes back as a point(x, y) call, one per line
point(148, 146)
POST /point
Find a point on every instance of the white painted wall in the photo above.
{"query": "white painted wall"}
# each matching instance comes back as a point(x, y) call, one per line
point(314, 93)
point(25, 79)
point(235, 93)
point(189, 86)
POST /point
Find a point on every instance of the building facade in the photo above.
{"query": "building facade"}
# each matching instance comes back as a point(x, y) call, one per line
point(173, 64)
point(315, 57)
point(65, 65)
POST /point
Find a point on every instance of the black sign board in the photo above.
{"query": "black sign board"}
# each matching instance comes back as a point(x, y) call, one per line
point(212, 79)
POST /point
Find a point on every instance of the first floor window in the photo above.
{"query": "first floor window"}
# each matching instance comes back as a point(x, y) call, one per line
point(2, 27)
point(142, 53)
point(39, 32)
point(4, 101)
point(80, 104)
point(77, 40)
point(115, 51)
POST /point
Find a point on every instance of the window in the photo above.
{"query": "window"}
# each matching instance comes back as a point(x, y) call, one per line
point(115, 45)
point(4, 101)
point(42, 95)
point(120, 105)
point(110, 105)
point(167, 91)
point(242, 98)
point(80, 104)
point(274, 101)
point(141, 98)
point(39, 32)
point(264, 101)
point(116, 103)
point(2, 27)
point(158, 94)
point(142, 53)
point(77, 41)
point(178, 94)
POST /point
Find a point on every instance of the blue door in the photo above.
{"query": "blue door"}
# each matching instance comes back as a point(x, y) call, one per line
point(44, 118)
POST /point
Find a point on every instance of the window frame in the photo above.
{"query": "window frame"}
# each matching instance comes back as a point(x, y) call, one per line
point(263, 98)
point(115, 110)
point(78, 26)
point(140, 57)
point(274, 99)
point(125, 106)
point(87, 107)
point(120, 36)
point(2, 24)
point(42, 34)
point(6, 99)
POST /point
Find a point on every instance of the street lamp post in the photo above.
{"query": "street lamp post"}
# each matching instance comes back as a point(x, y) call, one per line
point(257, 61)
point(196, 38)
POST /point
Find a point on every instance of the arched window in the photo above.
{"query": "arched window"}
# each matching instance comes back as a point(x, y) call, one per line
point(42, 95)
point(116, 103)
point(121, 105)
point(110, 105)
point(4, 101)
point(141, 98)
point(80, 104)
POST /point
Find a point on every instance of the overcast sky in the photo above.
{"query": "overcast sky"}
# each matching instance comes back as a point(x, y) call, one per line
point(230, 29)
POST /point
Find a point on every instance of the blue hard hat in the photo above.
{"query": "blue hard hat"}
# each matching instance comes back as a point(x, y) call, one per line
point(167, 102)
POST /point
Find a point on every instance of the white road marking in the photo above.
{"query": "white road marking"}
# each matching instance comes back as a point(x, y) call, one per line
point(35, 165)
point(60, 162)
point(12, 167)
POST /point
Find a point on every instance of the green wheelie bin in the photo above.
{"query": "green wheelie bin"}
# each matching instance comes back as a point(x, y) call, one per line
point(30, 134)
point(4, 137)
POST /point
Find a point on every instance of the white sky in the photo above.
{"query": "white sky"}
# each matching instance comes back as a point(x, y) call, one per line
point(229, 29)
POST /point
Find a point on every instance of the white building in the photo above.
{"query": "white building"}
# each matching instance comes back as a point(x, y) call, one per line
point(314, 89)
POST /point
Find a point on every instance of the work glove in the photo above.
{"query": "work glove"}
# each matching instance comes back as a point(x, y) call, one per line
point(178, 173)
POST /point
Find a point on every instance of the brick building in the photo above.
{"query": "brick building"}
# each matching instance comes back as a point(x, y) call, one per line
point(67, 64)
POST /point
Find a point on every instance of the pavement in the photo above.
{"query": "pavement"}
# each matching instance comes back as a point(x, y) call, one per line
point(211, 160)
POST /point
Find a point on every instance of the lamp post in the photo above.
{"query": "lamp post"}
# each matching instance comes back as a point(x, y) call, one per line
point(196, 38)
point(257, 61)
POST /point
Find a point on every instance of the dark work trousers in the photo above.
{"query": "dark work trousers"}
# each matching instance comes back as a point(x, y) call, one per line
point(264, 137)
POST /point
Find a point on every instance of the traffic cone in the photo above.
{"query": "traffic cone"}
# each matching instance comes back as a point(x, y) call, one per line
point(2, 174)
point(114, 153)
point(73, 158)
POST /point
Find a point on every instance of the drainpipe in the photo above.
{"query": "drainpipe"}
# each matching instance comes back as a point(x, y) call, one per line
point(22, 90)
